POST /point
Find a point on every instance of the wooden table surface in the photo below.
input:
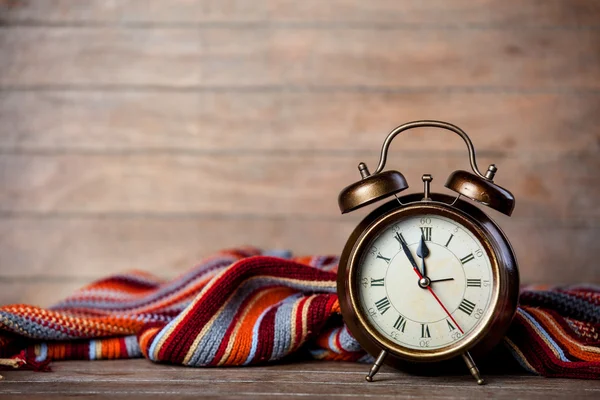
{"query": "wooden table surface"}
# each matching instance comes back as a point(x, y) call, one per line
point(138, 379)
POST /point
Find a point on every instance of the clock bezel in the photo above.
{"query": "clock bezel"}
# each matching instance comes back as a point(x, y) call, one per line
point(505, 286)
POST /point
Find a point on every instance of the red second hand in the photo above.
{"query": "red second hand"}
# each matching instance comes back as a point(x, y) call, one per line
point(439, 302)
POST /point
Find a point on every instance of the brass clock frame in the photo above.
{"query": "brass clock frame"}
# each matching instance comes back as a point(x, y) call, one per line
point(477, 186)
point(505, 286)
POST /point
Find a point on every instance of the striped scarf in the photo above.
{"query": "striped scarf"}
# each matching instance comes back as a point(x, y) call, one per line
point(245, 306)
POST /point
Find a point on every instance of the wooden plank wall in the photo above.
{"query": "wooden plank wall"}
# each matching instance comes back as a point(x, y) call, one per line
point(148, 134)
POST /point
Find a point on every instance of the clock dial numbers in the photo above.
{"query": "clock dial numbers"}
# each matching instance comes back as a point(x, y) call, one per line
point(473, 282)
point(467, 258)
point(383, 305)
point(387, 260)
point(450, 326)
point(377, 282)
point(399, 238)
point(466, 306)
point(426, 232)
point(400, 323)
point(460, 274)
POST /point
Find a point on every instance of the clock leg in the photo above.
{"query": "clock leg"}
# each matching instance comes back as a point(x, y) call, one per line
point(376, 366)
point(473, 368)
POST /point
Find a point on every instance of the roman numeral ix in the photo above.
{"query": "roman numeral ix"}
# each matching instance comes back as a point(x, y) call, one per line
point(377, 282)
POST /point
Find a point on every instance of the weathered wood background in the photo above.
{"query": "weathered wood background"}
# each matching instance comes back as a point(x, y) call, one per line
point(148, 134)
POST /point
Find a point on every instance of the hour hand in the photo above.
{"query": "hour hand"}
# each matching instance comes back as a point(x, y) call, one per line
point(422, 253)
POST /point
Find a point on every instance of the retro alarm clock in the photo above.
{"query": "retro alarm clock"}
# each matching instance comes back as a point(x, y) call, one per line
point(427, 277)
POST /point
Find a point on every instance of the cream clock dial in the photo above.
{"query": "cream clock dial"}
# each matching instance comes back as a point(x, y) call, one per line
point(436, 304)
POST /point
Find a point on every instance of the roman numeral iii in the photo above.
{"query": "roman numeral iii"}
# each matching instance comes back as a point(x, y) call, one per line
point(466, 306)
point(400, 323)
point(383, 305)
point(473, 282)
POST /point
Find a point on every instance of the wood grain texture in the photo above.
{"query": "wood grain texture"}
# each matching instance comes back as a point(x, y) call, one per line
point(43, 293)
point(81, 249)
point(139, 379)
point(149, 134)
point(285, 184)
point(86, 247)
point(269, 56)
point(265, 121)
point(392, 58)
point(38, 56)
point(458, 13)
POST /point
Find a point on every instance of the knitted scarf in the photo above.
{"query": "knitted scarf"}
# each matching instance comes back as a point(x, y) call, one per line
point(244, 307)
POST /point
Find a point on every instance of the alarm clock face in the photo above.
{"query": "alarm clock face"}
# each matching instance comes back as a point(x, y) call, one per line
point(438, 303)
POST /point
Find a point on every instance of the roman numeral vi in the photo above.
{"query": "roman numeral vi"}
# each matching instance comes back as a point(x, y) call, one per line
point(425, 331)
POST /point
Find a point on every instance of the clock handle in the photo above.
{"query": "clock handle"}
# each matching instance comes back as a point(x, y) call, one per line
point(429, 124)
point(379, 185)
point(476, 186)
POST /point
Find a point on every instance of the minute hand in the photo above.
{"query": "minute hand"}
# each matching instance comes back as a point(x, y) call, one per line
point(407, 251)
